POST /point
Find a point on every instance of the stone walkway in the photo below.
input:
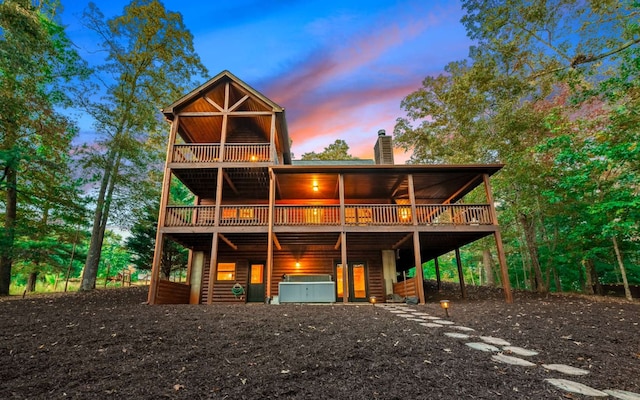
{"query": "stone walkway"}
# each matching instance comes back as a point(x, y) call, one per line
point(504, 352)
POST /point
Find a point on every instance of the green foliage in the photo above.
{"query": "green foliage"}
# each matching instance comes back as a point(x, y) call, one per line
point(150, 60)
point(551, 90)
point(37, 66)
point(338, 150)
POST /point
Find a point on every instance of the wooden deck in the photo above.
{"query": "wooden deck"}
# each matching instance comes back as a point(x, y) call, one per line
point(354, 215)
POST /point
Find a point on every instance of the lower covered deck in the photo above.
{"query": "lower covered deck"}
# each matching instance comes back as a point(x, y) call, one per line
point(239, 266)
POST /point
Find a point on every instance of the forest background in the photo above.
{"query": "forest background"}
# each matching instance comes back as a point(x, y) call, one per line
point(549, 88)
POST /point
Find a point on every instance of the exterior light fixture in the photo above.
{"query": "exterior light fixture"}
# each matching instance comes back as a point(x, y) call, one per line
point(373, 300)
point(445, 305)
point(253, 158)
point(315, 186)
point(297, 264)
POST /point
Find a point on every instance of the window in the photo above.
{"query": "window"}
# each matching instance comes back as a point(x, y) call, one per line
point(226, 272)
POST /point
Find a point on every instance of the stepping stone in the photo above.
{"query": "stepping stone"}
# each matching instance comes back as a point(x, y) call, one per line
point(512, 360)
point(623, 394)
point(415, 319)
point(420, 314)
point(494, 340)
point(404, 315)
point(520, 351)
point(431, 317)
point(442, 322)
point(457, 335)
point(431, 325)
point(462, 328)
point(397, 312)
point(575, 387)
point(565, 369)
point(482, 346)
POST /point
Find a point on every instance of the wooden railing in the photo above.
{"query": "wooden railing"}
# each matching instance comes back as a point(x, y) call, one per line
point(247, 152)
point(454, 214)
point(355, 215)
point(376, 214)
point(233, 152)
point(196, 153)
point(244, 215)
point(306, 215)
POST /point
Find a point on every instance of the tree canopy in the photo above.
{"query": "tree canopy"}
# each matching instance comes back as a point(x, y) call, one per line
point(549, 89)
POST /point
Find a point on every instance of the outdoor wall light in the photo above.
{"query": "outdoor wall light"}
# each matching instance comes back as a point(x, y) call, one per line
point(445, 305)
point(254, 158)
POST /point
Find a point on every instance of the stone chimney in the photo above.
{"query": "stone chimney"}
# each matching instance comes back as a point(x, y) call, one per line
point(383, 149)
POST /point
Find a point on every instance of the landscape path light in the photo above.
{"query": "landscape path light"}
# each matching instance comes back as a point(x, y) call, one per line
point(445, 305)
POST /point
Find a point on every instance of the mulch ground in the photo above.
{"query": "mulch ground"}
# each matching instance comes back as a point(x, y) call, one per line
point(109, 344)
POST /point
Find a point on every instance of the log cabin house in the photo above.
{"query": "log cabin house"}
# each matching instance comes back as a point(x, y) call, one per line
point(265, 228)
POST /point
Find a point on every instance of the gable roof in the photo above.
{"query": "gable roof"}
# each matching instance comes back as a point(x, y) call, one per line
point(169, 110)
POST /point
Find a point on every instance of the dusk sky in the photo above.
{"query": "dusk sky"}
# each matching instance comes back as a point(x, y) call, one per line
point(340, 69)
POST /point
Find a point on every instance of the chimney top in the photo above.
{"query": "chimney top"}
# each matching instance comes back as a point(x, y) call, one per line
point(382, 132)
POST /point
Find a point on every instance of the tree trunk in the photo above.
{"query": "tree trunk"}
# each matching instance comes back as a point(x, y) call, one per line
point(487, 262)
point(556, 279)
point(100, 218)
point(6, 258)
point(593, 282)
point(623, 272)
point(530, 240)
point(31, 283)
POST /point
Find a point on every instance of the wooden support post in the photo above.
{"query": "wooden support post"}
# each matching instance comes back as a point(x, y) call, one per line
point(345, 269)
point(502, 259)
point(419, 278)
point(412, 197)
point(437, 264)
point(271, 236)
point(164, 200)
point(463, 289)
point(213, 267)
point(504, 271)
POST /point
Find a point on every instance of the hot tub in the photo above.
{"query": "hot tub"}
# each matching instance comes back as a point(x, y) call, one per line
point(307, 288)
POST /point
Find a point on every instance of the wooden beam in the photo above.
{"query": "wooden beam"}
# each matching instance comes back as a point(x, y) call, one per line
point(345, 268)
point(271, 236)
point(230, 182)
point(401, 241)
point(218, 114)
point(462, 189)
point(437, 264)
point(213, 103)
point(396, 187)
point(238, 103)
point(164, 200)
point(227, 241)
point(463, 289)
point(504, 269)
point(276, 242)
point(213, 267)
point(419, 278)
point(338, 242)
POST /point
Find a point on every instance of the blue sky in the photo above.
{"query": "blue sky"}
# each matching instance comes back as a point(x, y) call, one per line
point(339, 68)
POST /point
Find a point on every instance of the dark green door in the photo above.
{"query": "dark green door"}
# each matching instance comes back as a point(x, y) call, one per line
point(255, 288)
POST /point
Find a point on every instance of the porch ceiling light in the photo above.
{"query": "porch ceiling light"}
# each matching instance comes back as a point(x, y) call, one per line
point(315, 186)
point(445, 305)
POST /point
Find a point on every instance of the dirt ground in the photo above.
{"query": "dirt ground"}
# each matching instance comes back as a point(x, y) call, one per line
point(109, 344)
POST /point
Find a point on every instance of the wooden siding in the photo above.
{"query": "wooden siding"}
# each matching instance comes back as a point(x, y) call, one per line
point(318, 261)
point(172, 292)
point(406, 288)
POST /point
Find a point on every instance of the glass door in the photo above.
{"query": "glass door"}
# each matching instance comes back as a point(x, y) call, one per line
point(357, 282)
point(255, 292)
